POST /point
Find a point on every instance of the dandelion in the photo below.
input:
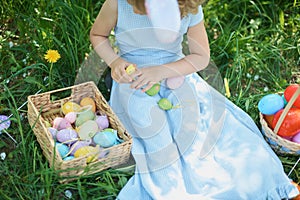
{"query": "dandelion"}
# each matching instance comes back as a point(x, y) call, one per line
point(52, 56)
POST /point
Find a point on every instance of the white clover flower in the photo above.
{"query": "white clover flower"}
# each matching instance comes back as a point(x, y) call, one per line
point(256, 77)
point(3, 156)
point(68, 194)
point(11, 44)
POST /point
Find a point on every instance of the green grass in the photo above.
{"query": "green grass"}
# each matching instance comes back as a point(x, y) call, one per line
point(254, 44)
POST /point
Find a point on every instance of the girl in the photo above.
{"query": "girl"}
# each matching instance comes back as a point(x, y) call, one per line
point(203, 146)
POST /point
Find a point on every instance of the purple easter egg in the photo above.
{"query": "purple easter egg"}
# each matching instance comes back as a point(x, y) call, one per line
point(4, 122)
point(67, 136)
point(53, 132)
point(296, 138)
point(102, 122)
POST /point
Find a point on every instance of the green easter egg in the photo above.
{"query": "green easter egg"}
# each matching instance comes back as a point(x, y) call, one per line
point(153, 90)
point(165, 104)
point(84, 116)
point(284, 100)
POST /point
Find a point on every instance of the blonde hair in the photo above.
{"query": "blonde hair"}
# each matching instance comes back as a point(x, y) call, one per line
point(185, 6)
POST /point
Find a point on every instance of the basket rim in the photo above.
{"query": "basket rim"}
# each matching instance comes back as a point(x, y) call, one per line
point(279, 138)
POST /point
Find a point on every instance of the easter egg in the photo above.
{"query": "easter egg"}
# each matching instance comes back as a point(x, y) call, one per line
point(79, 144)
point(88, 101)
point(289, 138)
point(165, 104)
point(70, 107)
point(153, 90)
point(269, 119)
point(175, 82)
point(68, 158)
point(84, 116)
point(88, 150)
point(53, 132)
point(284, 100)
point(67, 136)
point(47, 124)
point(130, 69)
point(296, 138)
point(4, 122)
point(290, 125)
point(71, 117)
point(106, 138)
point(87, 130)
point(62, 149)
point(60, 123)
point(102, 121)
point(288, 93)
point(270, 104)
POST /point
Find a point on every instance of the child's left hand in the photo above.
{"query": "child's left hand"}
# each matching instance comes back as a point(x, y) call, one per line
point(147, 78)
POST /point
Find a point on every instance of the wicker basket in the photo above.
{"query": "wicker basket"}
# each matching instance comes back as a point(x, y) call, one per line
point(42, 110)
point(277, 143)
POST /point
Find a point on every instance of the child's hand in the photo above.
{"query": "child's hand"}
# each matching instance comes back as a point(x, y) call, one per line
point(118, 71)
point(147, 77)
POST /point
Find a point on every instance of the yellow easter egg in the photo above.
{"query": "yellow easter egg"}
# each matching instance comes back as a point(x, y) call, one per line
point(70, 107)
point(87, 150)
point(88, 101)
point(130, 69)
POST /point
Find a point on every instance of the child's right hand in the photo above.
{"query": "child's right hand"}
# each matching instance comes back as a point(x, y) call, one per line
point(118, 71)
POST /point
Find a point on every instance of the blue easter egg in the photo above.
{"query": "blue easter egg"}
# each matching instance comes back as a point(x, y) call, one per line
point(62, 149)
point(106, 138)
point(270, 104)
point(68, 158)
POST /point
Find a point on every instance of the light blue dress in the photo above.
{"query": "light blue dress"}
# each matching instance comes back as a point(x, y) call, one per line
point(204, 148)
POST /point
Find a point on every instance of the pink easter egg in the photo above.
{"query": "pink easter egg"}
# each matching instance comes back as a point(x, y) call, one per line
point(175, 82)
point(61, 123)
point(56, 122)
point(71, 117)
point(296, 138)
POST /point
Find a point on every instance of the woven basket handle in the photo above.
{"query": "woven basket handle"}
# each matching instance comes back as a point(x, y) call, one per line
point(286, 110)
point(60, 96)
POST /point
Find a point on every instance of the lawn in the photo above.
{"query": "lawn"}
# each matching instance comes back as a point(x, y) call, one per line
point(255, 46)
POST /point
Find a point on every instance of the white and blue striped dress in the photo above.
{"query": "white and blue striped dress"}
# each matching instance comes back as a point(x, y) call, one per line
point(206, 147)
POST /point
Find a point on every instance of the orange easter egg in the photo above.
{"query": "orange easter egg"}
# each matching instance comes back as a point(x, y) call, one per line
point(269, 119)
point(88, 101)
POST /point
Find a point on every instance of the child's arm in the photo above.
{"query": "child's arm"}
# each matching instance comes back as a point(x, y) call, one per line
point(104, 23)
point(197, 60)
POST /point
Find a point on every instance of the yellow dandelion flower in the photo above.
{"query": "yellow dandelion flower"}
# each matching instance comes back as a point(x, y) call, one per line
point(52, 56)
